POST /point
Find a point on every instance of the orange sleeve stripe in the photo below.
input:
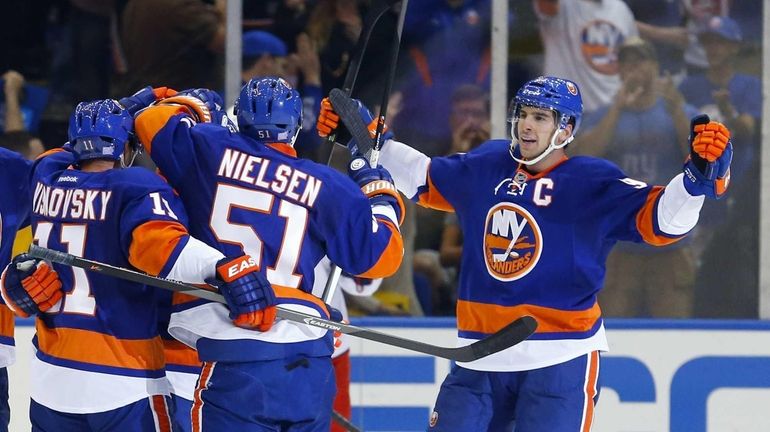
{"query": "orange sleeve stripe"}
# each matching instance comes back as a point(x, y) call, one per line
point(100, 349)
point(645, 220)
point(49, 153)
point(152, 243)
point(180, 354)
point(6, 321)
point(391, 257)
point(432, 198)
point(489, 318)
point(152, 120)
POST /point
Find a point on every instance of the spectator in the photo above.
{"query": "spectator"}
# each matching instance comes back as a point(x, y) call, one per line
point(174, 43)
point(16, 137)
point(678, 29)
point(735, 99)
point(446, 43)
point(720, 91)
point(661, 23)
point(641, 131)
point(289, 20)
point(469, 124)
point(265, 55)
point(581, 38)
point(334, 27)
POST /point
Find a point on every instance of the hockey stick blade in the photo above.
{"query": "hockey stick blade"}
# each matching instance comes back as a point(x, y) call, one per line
point(509, 336)
point(348, 111)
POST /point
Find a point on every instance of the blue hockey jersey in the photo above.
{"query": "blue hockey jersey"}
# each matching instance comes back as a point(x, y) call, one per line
point(14, 215)
point(285, 212)
point(536, 244)
point(101, 340)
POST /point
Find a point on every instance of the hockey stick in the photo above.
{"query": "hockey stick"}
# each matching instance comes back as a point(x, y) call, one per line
point(345, 423)
point(348, 110)
point(509, 336)
point(370, 20)
point(374, 156)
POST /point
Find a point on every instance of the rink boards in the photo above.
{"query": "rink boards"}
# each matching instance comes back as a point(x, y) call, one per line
point(678, 376)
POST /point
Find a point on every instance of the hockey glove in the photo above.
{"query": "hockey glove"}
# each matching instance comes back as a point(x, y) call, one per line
point(336, 316)
point(248, 293)
point(203, 105)
point(329, 122)
point(30, 286)
point(707, 169)
point(144, 98)
point(377, 185)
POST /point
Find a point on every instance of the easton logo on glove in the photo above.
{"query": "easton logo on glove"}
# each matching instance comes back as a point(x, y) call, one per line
point(236, 268)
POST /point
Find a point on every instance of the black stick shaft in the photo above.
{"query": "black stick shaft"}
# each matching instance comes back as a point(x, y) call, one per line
point(509, 336)
point(394, 49)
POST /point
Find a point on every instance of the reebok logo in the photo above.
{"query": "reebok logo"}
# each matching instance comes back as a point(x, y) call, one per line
point(67, 179)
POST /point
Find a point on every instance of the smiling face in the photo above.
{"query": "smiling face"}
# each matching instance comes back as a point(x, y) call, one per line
point(535, 128)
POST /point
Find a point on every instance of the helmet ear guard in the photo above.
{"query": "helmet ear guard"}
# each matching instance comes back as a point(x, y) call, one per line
point(560, 96)
point(269, 110)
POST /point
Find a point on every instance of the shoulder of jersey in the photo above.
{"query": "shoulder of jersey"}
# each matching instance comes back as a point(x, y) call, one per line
point(13, 163)
point(137, 178)
point(495, 146)
point(53, 160)
point(590, 166)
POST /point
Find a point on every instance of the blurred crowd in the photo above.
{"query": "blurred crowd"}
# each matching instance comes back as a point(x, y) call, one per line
point(645, 67)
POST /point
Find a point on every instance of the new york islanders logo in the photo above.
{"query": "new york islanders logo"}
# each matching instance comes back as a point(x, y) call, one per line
point(512, 242)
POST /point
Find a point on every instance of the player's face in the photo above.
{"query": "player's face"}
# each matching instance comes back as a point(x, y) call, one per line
point(535, 128)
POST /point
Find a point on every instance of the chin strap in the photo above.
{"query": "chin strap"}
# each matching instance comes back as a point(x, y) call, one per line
point(513, 148)
point(137, 150)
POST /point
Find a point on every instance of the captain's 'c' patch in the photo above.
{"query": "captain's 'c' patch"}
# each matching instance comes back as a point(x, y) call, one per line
point(512, 242)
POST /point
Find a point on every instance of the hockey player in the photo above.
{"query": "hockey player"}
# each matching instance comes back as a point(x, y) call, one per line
point(14, 225)
point(99, 361)
point(538, 227)
point(247, 191)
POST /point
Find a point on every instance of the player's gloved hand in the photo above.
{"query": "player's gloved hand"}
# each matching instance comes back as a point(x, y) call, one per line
point(336, 316)
point(329, 122)
point(144, 98)
point(30, 286)
point(248, 293)
point(707, 169)
point(204, 105)
point(377, 184)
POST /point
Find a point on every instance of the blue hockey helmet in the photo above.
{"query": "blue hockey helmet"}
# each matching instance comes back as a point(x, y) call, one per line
point(556, 94)
point(100, 130)
point(269, 110)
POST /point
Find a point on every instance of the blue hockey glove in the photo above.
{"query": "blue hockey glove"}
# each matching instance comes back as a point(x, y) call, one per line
point(30, 286)
point(144, 98)
point(248, 293)
point(707, 169)
point(329, 121)
point(377, 185)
